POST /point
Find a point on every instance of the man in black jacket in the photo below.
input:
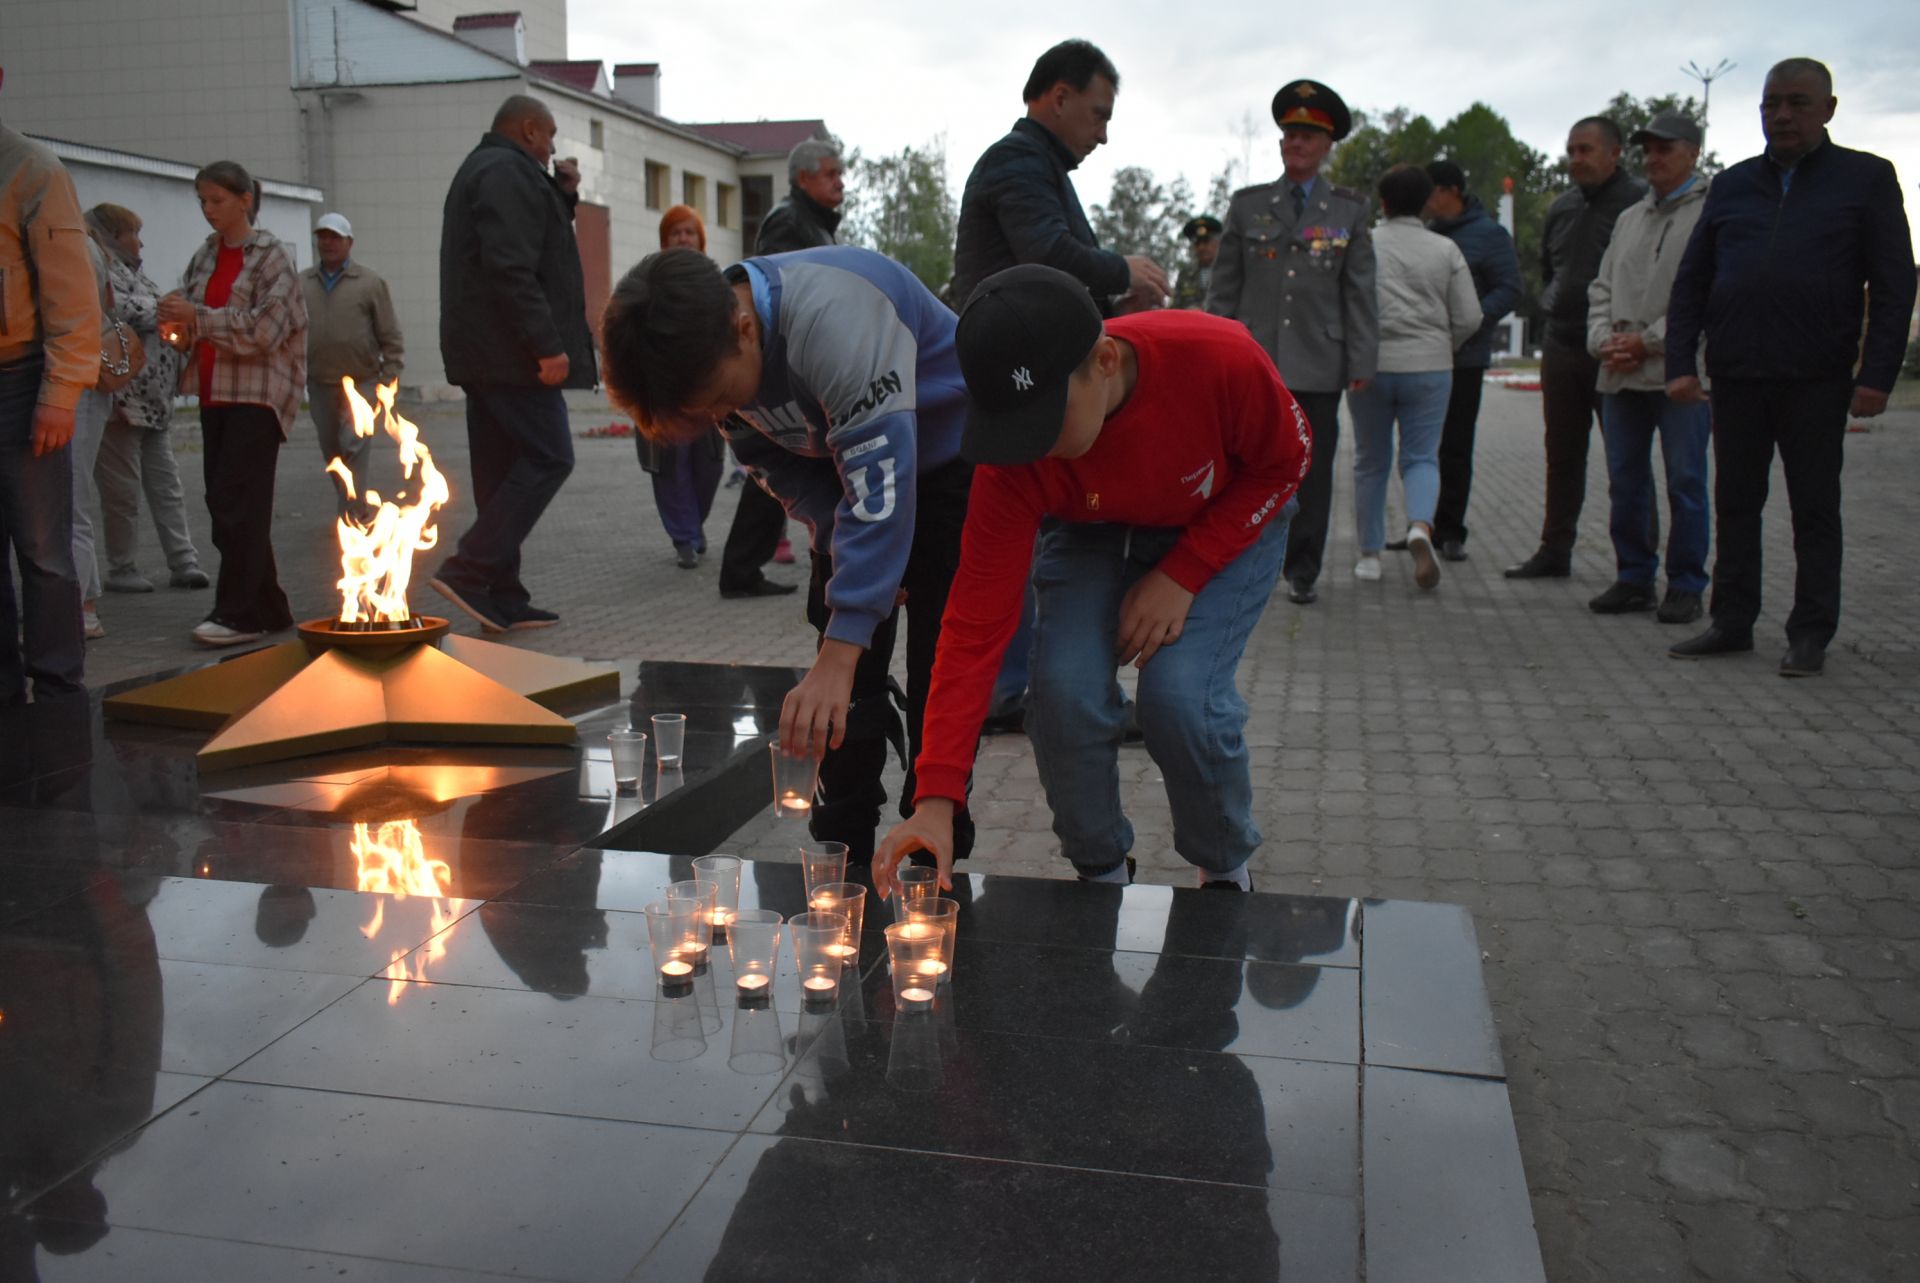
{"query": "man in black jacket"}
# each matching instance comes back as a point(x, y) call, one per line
point(1019, 205)
point(1579, 226)
point(808, 218)
point(1794, 248)
point(513, 332)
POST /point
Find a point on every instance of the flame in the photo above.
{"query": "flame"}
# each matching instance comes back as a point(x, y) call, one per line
point(376, 553)
point(391, 859)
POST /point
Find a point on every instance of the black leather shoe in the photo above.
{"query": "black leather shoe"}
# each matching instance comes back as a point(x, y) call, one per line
point(1803, 659)
point(1542, 565)
point(1622, 599)
point(1452, 550)
point(1300, 592)
point(1715, 641)
point(1680, 607)
point(761, 588)
point(1394, 545)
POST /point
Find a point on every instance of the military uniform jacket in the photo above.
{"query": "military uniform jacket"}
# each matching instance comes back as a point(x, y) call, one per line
point(1303, 286)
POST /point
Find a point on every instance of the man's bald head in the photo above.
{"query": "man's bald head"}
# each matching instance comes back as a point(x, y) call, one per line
point(528, 124)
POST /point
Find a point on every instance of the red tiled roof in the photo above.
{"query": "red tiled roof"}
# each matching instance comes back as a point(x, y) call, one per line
point(763, 136)
point(577, 73)
point(475, 21)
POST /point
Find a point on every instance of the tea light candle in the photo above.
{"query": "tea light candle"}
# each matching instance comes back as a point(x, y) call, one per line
point(844, 952)
point(819, 986)
point(753, 983)
point(916, 993)
point(929, 972)
point(721, 917)
point(676, 970)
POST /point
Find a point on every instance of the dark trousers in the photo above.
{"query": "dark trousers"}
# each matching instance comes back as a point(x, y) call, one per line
point(1307, 538)
point(1807, 422)
point(36, 520)
point(240, 451)
point(1570, 404)
point(683, 489)
point(522, 453)
point(758, 523)
point(1456, 453)
point(847, 808)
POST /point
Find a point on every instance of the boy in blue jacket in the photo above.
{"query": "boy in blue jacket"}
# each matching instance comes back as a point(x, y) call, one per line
point(832, 373)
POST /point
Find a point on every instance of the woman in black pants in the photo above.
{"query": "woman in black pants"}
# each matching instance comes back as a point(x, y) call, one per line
point(240, 312)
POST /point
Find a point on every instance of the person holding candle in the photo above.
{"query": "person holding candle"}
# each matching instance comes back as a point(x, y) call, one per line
point(1157, 458)
point(832, 373)
point(240, 313)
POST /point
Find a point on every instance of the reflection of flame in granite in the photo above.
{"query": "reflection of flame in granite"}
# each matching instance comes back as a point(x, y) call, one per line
point(391, 860)
point(376, 552)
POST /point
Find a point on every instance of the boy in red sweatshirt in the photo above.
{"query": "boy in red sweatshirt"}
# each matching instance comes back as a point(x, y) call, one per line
point(1157, 458)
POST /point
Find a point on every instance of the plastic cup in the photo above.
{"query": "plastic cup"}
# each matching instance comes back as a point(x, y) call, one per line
point(814, 936)
point(944, 916)
point(679, 944)
point(822, 863)
point(753, 945)
point(724, 872)
point(849, 899)
point(629, 750)
point(913, 950)
point(702, 896)
point(794, 781)
point(912, 883)
point(669, 738)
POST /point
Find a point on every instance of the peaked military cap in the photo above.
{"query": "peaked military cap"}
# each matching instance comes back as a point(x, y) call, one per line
point(1310, 103)
point(1203, 228)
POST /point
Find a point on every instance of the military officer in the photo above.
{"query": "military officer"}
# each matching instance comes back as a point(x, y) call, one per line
point(1203, 241)
point(1295, 265)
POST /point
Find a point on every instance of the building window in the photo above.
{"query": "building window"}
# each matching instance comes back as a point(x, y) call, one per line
point(728, 196)
point(693, 191)
point(597, 134)
point(659, 179)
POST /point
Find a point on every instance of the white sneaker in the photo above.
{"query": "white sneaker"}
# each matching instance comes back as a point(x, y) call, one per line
point(90, 624)
point(1426, 566)
point(209, 633)
point(1368, 568)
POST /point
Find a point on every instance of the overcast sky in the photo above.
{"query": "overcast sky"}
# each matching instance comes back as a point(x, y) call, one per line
point(888, 73)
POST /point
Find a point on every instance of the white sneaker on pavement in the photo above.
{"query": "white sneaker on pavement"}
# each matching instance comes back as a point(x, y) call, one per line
point(1368, 567)
point(209, 633)
point(1426, 566)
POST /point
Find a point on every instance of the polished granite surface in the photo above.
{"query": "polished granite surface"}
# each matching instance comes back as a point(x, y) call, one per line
point(222, 1058)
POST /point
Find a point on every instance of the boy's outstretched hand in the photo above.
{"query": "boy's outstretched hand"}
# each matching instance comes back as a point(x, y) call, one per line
point(930, 828)
point(813, 717)
point(1152, 615)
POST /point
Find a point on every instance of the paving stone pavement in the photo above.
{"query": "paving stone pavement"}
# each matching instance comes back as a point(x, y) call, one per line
point(1696, 885)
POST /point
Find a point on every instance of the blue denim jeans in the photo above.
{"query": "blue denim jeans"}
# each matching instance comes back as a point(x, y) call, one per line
point(1191, 713)
point(1419, 402)
point(36, 519)
point(522, 453)
point(1628, 421)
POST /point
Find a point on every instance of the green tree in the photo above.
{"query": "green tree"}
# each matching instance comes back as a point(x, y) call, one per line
point(1632, 114)
point(1142, 217)
point(1397, 137)
point(901, 206)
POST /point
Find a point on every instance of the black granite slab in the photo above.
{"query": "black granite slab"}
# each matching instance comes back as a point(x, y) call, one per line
point(117, 1254)
point(510, 1191)
point(1426, 1002)
point(1446, 1197)
point(786, 1209)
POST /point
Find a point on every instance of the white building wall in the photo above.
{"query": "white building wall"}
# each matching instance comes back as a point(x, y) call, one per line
point(546, 20)
point(198, 80)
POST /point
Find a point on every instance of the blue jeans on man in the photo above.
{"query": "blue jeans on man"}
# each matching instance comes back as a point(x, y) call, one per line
point(36, 520)
point(1628, 423)
point(522, 453)
point(1417, 401)
point(1191, 714)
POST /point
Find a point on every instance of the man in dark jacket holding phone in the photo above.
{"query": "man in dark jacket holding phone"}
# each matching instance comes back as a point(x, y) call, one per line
point(1794, 249)
point(513, 333)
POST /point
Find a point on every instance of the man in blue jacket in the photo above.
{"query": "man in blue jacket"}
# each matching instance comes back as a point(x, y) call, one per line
point(832, 373)
point(1458, 215)
point(1794, 248)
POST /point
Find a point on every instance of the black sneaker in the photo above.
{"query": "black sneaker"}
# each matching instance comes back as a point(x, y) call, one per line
point(1542, 565)
point(525, 617)
point(763, 587)
point(687, 555)
point(477, 602)
point(1452, 550)
point(1227, 884)
point(1715, 641)
point(1680, 607)
point(1300, 592)
point(1623, 599)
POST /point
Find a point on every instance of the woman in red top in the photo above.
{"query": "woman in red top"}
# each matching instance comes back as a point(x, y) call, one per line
point(241, 312)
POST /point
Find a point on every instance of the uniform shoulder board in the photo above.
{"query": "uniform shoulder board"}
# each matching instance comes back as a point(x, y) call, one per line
point(1348, 193)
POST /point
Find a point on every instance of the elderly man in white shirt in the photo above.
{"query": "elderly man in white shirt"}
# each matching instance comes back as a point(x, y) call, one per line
point(1428, 308)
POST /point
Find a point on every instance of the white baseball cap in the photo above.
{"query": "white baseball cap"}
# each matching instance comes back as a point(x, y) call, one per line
point(334, 223)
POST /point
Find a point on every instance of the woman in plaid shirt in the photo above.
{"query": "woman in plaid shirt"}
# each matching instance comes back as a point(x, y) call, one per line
point(241, 312)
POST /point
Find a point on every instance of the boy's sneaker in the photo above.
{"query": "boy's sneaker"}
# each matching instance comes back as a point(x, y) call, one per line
point(531, 616)
point(190, 577)
point(211, 632)
point(90, 624)
point(1368, 568)
point(1426, 566)
point(686, 555)
point(128, 581)
point(477, 602)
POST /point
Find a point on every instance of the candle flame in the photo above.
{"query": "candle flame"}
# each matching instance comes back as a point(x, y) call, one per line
point(376, 552)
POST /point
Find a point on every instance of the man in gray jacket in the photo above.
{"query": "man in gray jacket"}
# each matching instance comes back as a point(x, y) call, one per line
point(1626, 332)
point(1296, 268)
point(352, 333)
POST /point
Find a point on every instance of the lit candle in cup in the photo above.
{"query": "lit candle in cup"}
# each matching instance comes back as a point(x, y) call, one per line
point(818, 987)
point(676, 976)
point(753, 984)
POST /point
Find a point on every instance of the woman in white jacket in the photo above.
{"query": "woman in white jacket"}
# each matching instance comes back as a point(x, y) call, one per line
point(1428, 308)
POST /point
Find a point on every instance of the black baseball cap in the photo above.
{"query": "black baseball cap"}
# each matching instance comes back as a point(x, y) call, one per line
point(1021, 336)
point(1669, 125)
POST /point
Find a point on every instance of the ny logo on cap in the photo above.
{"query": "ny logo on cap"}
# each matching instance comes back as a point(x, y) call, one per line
point(1022, 379)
